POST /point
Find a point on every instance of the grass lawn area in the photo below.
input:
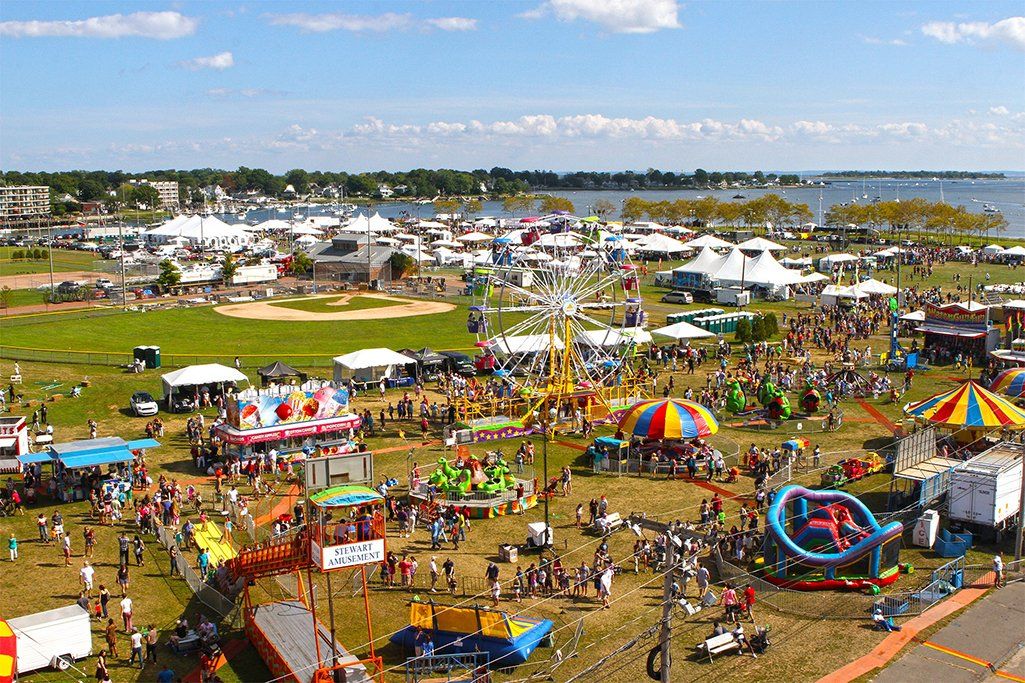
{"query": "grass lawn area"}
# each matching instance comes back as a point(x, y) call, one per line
point(26, 297)
point(63, 260)
point(329, 304)
point(160, 598)
point(40, 581)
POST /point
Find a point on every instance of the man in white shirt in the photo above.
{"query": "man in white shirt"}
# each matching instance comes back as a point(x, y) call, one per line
point(998, 571)
point(136, 638)
point(86, 573)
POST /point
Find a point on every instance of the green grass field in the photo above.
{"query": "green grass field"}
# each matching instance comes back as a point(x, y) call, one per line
point(160, 598)
point(64, 260)
point(329, 304)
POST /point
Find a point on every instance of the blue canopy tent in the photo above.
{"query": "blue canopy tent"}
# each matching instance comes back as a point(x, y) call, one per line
point(88, 453)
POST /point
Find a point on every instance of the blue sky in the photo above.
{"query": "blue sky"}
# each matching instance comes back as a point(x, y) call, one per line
point(563, 84)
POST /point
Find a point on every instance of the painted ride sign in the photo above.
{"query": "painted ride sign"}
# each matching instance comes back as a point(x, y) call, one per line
point(348, 555)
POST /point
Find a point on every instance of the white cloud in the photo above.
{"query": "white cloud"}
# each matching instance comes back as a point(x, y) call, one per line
point(219, 61)
point(244, 92)
point(873, 40)
point(378, 23)
point(453, 24)
point(159, 25)
point(335, 21)
point(1010, 31)
point(617, 16)
point(999, 111)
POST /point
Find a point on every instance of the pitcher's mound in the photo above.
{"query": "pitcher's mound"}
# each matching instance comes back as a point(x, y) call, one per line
point(403, 308)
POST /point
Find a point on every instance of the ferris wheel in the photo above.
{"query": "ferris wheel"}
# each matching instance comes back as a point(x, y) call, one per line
point(555, 315)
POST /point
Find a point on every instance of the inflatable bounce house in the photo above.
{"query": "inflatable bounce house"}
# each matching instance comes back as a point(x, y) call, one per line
point(736, 401)
point(775, 401)
point(825, 540)
point(508, 641)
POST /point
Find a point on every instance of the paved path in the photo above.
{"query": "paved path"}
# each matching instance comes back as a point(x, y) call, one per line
point(982, 644)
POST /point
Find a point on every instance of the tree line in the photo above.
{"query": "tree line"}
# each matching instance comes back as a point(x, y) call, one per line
point(918, 216)
point(770, 208)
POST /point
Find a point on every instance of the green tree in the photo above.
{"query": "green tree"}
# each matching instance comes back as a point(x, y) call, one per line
point(228, 268)
point(447, 206)
point(517, 203)
point(743, 333)
point(758, 329)
point(170, 276)
point(401, 263)
point(145, 196)
point(301, 263)
point(551, 204)
point(5, 297)
point(633, 209)
point(604, 209)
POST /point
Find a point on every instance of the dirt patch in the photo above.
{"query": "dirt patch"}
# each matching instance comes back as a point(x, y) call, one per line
point(403, 308)
point(33, 280)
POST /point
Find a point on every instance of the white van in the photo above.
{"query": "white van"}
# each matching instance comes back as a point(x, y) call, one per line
point(56, 638)
point(678, 298)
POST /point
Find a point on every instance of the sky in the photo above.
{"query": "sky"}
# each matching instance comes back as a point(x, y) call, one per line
point(552, 84)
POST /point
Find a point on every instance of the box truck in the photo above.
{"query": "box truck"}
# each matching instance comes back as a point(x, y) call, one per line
point(986, 490)
point(55, 638)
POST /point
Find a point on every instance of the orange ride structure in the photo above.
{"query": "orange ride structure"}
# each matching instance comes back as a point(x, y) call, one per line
point(345, 530)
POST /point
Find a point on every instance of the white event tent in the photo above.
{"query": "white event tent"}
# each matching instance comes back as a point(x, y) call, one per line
point(369, 365)
point(208, 231)
point(709, 241)
point(199, 375)
point(375, 223)
point(683, 330)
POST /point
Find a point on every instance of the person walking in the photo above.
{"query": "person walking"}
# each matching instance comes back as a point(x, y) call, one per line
point(110, 634)
point(104, 599)
point(173, 555)
point(123, 544)
point(86, 574)
point(66, 549)
point(138, 547)
point(12, 546)
point(998, 571)
point(136, 639)
point(152, 636)
point(41, 524)
point(122, 579)
point(126, 614)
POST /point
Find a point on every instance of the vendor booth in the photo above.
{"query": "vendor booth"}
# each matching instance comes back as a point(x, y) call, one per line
point(278, 372)
point(369, 366)
point(13, 442)
point(77, 465)
point(429, 363)
point(289, 420)
point(184, 388)
point(958, 328)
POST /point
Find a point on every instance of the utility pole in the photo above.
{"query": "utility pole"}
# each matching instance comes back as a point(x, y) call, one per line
point(1021, 513)
point(49, 250)
point(665, 637)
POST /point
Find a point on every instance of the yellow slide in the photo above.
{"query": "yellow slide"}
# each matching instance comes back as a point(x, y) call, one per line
point(209, 536)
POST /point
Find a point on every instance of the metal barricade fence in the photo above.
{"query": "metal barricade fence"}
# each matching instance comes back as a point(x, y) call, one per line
point(206, 593)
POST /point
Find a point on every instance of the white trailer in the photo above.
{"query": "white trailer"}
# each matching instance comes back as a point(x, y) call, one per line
point(250, 275)
point(56, 638)
point(986, 490)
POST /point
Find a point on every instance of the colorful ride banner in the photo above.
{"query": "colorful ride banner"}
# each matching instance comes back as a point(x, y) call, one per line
point(956, 316)
point(288, 409)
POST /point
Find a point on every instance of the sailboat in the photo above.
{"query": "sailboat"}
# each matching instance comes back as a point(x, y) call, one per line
point(864, 194)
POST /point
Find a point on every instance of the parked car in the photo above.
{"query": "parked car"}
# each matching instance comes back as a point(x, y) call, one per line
point(143, 404)
point(459, 363)
point(678, 298)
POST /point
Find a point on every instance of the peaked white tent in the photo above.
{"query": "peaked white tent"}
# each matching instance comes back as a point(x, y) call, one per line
point(707, 262)
point(992, 249)
point(760, 244)
point(602, 338)
point(475, 236)
point(208, 231)
point(526, 343)
point(734, 269)
point(832, 295)
point(370, 365)
point(662, 244)
point(375, 223)
point(765, 270)
point(683, 330)
point(709, 241)
point(199, 375)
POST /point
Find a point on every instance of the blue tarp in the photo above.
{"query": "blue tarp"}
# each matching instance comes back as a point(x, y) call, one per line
point(31, 458)
point(90, 452)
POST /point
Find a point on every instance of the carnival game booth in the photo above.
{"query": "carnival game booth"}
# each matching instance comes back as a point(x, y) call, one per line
point(367, 367)
point(292, 420)
point(184, 389)
point(13, 442)
point(958, 328)
point(77, 466)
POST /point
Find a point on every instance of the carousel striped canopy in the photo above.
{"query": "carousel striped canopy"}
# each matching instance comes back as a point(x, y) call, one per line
point(669, 419)
point(969, 405)
point(1009, 383)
